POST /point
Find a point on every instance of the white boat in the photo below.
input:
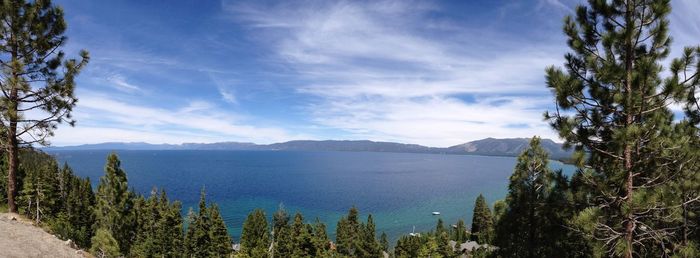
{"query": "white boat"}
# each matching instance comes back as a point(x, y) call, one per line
point(436, 213)
point(413, 234)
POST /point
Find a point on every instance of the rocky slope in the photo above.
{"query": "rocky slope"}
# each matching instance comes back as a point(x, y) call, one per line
point(19, 238)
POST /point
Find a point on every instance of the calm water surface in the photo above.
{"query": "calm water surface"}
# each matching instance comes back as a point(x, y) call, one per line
point(399, 189)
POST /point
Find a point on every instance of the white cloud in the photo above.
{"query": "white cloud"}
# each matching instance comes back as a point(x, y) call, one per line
point(121, 84)
point(685, 25)
point(224, 86)
point(382, 73)
point(104, 118)
point(227, 96)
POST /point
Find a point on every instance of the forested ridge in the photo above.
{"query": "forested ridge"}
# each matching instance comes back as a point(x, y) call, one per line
point(631, 120)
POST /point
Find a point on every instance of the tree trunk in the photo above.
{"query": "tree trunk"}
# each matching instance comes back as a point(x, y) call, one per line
point(13, 152)
point(629, 183)
point(12, 135)
point(685, 223)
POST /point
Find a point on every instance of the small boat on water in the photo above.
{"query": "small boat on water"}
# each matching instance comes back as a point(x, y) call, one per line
point(414, 234)
point(436, 213)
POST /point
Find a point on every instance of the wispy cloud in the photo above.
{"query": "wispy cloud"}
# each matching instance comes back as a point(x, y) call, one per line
point(105, 117)
point(121, 84)
point(225, 88)
point(381, 73)
point(433, 73)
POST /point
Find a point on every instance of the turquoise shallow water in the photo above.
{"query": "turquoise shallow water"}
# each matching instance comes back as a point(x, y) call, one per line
point(399, 189)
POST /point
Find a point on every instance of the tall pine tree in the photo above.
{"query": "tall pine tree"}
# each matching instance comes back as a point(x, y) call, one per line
point(612, 104)
point(482, 221)
point(37, 81)
point(348, 233)
point(77, 217)
point(533, 223)
point(114, 209)
point(255, 238)
point(320, 239)
point(459, 233)
point(220, 239)
point(281, 237)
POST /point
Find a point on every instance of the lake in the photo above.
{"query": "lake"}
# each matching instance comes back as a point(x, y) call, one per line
point(401, 190)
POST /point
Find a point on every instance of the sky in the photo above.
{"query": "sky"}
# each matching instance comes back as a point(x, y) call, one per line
point(436, 73)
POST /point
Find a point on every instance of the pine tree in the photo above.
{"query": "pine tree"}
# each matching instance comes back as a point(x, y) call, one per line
point(170, 231)
point(39, 193)
point(114, 209)
point(499, 208)
point(348, 233)
point(302, 245)
point(282, 240)
point(443, 242)
point(482, 222)
point(255, 238)
point(159, 227)
point(369, 247)
point(79, 209)
point(76, 218)
point(430, 248)
point(220, 239)
point(384, 242)
point(407, 246)
point(612, 104)
point(460, 232)
point(37, 81)
point(198, 237)
point(684, 190)
point(320, 239)
point(536, 210)
point(440, 227)
point(104, 245)
point(145, 214)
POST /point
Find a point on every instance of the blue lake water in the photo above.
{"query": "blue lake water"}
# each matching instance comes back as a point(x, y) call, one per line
point(401, 190)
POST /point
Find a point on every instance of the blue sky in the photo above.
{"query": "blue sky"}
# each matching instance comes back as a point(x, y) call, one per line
point(426, 72)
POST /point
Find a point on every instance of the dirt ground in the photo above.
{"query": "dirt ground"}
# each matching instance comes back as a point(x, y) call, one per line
point(19, 238)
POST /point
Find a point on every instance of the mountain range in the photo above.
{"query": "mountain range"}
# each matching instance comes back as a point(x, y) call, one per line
point(490, 146)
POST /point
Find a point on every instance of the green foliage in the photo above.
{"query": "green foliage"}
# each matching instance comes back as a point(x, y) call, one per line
point(104, 245)
point(302, 242)
point(114, 208)
point(348, 233)
point(430, 244)
point(459, 234)
point(283, 240)
point(320, 239)
point(482, 222)
point(407, 246)
point(159, 227)
point(76, 217)
point(369, 247)
point(255, 238)
point(356, 239)
point(384, 242)
point(534, 216)
point(444, 248)
point(36, 80)
point(220, 239)
point(207, 235)
point(499, 209)
point(430, 248)
point(39, 194)
point(613, 108)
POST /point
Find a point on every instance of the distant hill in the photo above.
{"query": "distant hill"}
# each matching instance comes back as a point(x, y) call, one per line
point(363, 145)
point(507, 147)
point(489, 146)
